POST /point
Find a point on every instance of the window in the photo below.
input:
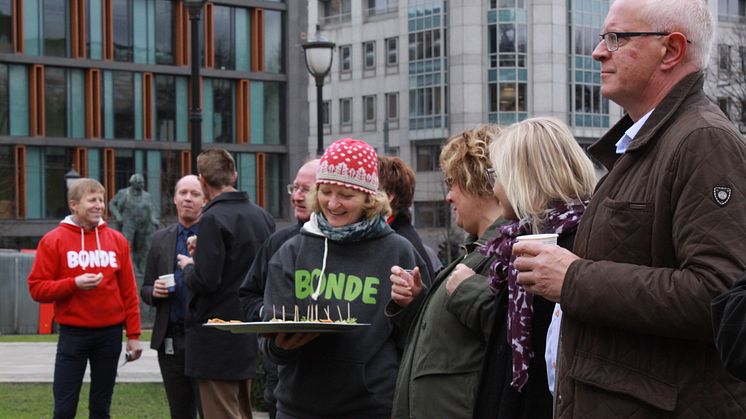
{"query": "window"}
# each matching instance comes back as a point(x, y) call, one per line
point(369, 55)
point(55, 102)
point(428, 155)
point(345, 112)
point(369, 108)
point(222, 122)
point(164, 37)
point(57, 162)
point(273, 50)
point(6, 26)
point(723, 104)
point(4, 101)
point(336, 11)
point(392, 51)
point(369, 113)
point(119, 119)
point(743, 111)
point(431, 214)
point(724, 58)
point(224, 40)
point(123, 30)
point(392, 106)
point(165, 108)
point(732, 8)
point(325, 113)
point(427, 102)
point(381, 7)
point(7, 182)
point(55, 23)
point(345, 58)
point(426, 44)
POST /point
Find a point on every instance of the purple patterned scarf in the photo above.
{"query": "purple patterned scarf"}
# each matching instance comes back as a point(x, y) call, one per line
point(561, 218)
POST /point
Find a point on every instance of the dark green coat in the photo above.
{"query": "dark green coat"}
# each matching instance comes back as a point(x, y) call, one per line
point(446, 342)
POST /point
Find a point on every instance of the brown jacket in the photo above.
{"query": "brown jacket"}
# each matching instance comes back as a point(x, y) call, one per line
point(636, 338)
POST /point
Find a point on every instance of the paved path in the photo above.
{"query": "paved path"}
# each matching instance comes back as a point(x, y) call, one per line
point(34, 363)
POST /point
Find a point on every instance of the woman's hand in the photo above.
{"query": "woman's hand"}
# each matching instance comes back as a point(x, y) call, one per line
point(405, 285)
point(289, 341)
point(459, 274)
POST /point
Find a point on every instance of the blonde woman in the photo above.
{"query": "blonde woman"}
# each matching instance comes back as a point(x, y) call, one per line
point(542, 181)
point(339, 262)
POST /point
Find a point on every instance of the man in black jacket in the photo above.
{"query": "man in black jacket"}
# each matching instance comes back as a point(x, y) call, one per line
point(168, 330)
point(729, 328)
point(232, 230)
point(252, 289)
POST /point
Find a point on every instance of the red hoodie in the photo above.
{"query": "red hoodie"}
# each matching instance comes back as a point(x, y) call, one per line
point(69, 251)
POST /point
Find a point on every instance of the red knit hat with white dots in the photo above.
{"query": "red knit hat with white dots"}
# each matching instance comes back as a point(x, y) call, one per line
point(350, 163)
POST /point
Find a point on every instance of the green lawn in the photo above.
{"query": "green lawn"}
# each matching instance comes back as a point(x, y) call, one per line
point(131, 400)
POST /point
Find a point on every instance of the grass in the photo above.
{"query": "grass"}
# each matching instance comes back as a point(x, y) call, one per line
point(131, 400)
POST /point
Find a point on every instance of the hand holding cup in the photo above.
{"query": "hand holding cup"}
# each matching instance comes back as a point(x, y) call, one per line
point(406, 285)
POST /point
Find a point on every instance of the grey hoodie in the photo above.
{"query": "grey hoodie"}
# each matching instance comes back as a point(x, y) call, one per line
point(338, 375)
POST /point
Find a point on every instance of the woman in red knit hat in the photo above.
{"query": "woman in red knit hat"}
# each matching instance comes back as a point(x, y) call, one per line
point(339, 262)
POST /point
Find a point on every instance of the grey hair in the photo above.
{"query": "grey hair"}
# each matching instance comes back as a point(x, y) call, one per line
point(690, 17)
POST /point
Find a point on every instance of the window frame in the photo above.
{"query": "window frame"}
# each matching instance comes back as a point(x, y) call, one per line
point(389, 51)
point(345, 125)
point(369, 47)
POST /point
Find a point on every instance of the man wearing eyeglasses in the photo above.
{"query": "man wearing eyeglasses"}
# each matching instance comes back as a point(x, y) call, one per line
point(663, 234)
point(251, 292)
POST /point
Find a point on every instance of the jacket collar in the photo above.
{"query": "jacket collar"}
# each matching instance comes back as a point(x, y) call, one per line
point(472, 242)
point(604, 148)
point(227, 196)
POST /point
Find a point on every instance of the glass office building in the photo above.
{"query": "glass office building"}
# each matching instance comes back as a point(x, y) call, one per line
point(103, 87)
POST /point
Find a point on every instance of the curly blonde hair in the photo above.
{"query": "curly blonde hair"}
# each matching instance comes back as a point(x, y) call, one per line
point(465, 158)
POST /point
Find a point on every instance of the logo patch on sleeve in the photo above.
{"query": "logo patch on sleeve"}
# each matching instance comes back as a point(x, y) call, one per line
point(721, 194)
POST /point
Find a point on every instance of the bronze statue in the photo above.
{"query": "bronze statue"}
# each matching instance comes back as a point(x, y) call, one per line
point(135, 213)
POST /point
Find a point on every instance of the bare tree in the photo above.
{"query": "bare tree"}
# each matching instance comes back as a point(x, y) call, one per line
point(726, 74)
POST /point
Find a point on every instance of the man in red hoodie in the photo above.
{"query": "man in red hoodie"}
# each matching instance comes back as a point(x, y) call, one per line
point(85, 269)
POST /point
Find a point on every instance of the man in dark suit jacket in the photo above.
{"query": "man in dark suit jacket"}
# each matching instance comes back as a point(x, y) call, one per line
point(232, 230)
point(168, 331)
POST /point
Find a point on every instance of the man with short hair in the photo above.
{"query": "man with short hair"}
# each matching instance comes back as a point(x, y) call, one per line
point(232, 229)
point(84, 268)
point(662, 235)
point(252, 288)
point(168, 330)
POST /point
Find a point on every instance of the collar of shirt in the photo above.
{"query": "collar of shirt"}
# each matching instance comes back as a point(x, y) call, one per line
point(181, 229)
point(629, 135)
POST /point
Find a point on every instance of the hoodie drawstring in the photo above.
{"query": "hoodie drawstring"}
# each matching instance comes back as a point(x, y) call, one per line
point(82, 239)
point(98, 242)
point(315, 294)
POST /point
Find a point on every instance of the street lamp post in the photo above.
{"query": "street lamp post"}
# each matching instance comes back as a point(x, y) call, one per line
point(195, 113)
point(319, 53)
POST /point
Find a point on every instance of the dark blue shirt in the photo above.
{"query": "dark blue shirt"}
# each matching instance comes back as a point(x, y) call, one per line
point(179, 298)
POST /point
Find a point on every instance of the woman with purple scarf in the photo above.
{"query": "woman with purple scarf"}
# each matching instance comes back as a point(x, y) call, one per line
point(543, 180)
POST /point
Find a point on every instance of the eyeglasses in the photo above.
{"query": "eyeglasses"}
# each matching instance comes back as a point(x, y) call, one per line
point(489, 173)
point(612, 38)
point(292, 188)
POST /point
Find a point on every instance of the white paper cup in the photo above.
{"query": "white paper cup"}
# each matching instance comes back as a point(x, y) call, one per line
point(540, 238)
point(170, 282)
